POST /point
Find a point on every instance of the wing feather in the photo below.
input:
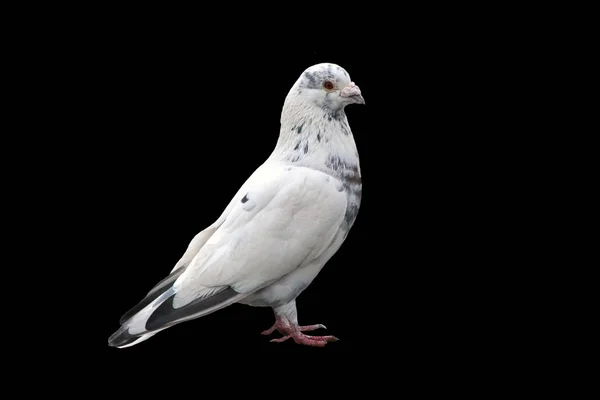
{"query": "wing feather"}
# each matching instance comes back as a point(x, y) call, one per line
point(283, 218)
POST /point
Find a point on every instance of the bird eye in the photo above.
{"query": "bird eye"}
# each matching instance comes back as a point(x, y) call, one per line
point(328, 85)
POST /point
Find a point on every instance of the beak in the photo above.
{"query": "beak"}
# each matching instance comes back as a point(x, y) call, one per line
point(352, 93)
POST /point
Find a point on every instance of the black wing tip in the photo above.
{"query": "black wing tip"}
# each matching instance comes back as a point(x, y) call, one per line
point(121, 337)
point(166, 314)
point(156, 291)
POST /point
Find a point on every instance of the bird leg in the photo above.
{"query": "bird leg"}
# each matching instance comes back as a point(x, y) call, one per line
point(280, 327)
point(286, 323)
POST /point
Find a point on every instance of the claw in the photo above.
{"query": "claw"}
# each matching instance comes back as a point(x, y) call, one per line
point(309, 328)
point(284, 330)
point(300, 338)
point(286, 323)
point(269, 331)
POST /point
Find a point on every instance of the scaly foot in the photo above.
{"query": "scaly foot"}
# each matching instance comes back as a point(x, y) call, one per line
point(295, 332)
point(301, 338)
point(278, 325)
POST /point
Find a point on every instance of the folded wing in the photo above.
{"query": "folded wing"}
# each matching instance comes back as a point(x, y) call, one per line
point(281, 219)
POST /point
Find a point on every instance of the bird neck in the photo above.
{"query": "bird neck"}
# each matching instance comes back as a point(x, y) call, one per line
point(318, 138)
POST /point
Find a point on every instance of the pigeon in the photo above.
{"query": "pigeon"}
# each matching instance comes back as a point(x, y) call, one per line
point(282, 226)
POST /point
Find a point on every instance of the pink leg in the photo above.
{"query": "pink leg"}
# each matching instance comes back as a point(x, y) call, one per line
point(301, 338)
point(281, 328)
point(286, 324)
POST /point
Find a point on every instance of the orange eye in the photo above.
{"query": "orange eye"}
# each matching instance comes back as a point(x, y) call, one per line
point(328, 85)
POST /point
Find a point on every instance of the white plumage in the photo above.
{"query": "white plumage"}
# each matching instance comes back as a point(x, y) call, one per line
point(281, 227)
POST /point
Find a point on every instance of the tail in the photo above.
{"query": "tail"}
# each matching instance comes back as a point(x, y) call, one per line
point(156, 311)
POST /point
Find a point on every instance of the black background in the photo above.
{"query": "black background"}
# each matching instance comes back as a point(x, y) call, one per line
point(186, 119)
point(140, 123)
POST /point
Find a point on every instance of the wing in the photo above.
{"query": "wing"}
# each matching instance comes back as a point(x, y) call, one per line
point(283, 218)
point(194, 246)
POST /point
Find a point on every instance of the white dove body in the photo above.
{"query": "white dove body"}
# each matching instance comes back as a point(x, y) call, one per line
point(279, 230)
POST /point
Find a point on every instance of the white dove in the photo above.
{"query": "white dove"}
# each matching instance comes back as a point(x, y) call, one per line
point(281, 227)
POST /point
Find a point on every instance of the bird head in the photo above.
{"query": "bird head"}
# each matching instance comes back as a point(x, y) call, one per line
point(329, 86)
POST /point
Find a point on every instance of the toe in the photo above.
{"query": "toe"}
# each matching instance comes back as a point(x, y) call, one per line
point(308, 328)
point(283, 339)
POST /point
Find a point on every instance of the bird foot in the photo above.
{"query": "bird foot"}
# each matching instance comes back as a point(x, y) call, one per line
point(286, 330)
point(296, 334)
point(301, 338)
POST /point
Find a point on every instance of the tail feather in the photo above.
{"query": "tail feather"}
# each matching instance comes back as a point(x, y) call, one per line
point(159, 313)
point(122, 338)
point(156, 291)
point(166, 315)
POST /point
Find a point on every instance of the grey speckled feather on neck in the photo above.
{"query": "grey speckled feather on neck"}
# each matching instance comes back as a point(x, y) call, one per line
point(315, 133)
point(309, 137)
